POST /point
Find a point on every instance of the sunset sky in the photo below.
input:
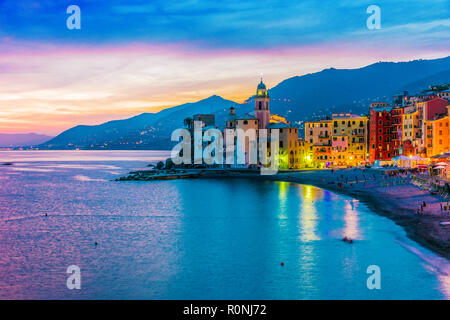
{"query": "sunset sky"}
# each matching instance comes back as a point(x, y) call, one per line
point(142, 56)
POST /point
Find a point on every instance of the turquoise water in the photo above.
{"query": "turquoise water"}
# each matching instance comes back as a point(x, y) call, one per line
point(193, 239)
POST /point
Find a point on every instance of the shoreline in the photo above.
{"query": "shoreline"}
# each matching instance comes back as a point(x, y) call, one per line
point(393, 197)
point(401, 199)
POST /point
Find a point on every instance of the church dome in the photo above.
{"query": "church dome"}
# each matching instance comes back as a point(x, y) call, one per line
point(261, 85)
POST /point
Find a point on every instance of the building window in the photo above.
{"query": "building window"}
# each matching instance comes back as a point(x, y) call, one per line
point(245, 122)
point(259, 105)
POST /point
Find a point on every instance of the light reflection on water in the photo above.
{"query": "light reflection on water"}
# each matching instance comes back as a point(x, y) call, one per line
point(196, 239)
point(351, 220)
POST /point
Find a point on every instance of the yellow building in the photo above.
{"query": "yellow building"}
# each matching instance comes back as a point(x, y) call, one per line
point(341, 141)
point(318, 132)
point(349, 139)
point(306, 154)
point(411, 126)
point(411, 132)
point(318, 135)
point(289, 147)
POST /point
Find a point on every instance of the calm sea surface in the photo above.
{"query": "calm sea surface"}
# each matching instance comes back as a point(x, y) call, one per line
point(193, 239)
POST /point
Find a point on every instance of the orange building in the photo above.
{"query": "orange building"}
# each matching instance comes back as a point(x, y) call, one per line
point(437, 136)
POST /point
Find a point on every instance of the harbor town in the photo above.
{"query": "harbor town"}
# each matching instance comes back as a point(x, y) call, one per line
point(205, 155)
point(411, 132)
point(396, 158)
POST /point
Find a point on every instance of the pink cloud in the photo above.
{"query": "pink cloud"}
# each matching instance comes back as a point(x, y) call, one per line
point(52, 87)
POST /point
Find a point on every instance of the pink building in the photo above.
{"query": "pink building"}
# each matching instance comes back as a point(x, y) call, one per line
point(262, 112)
point(433, 108)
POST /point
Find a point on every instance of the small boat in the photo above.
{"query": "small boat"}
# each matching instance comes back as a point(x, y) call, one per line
point(348, 240)
point(445, 223)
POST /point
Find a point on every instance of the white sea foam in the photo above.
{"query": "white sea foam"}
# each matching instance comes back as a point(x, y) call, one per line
point(81, 177)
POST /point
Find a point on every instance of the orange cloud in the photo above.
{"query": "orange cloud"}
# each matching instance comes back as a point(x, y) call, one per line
point(47, 88)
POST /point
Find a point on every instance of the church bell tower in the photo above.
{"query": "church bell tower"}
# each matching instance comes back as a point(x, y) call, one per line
point(262, 112)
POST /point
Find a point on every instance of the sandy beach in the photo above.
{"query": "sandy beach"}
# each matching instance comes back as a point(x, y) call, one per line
point(393, 197)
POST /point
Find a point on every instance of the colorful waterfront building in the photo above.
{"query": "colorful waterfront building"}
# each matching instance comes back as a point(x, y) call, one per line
point(429, 110)
point(318, 135)
point(411, 133)
point(289, 146)
point(339, 141)
point(349, 139)
point(384, 141)
point(397, 117)
point(437, 136)
point(306, 153)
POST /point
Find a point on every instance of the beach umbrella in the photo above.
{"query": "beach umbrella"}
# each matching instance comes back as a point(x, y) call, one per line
point(440, 164)
point(439, 167)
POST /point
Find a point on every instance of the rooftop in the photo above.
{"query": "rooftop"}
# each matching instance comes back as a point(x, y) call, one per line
point(246, 117)
point(279, 126)
point(346, 116)
point(261, 85)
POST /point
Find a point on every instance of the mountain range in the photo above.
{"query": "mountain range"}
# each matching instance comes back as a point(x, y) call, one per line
point(22, 139)
point(298, 98)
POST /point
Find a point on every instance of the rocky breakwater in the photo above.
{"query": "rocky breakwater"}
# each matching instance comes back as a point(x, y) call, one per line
point(148, 175)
